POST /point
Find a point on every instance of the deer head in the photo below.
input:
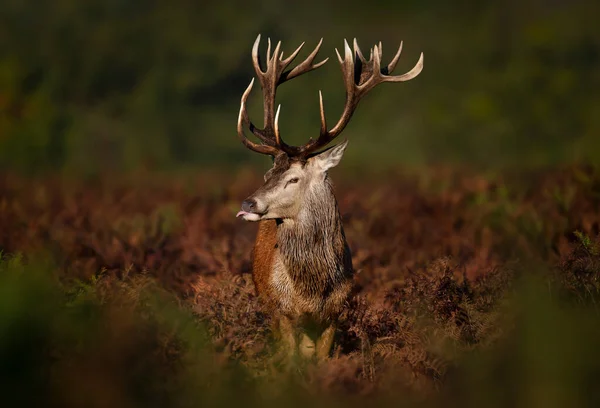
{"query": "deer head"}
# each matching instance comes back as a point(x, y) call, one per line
point(300, 169)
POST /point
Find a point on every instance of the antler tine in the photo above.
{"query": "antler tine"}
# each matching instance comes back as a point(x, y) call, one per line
point(376, 66)
point(322, 112)
point(259, 133)
point(276, 53)
point(348, 68)
point(394, 60)
point(256, 57)
point(305, 66)
point(243, 117)
point(416, 70)
point(358, 52)
point(289, 59)
point(276, 127)
point(340, 59)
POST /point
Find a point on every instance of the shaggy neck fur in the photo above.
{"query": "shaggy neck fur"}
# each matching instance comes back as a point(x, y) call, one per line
point(313, 246)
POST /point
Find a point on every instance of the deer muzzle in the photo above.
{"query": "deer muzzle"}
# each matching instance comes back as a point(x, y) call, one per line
point(249, 210)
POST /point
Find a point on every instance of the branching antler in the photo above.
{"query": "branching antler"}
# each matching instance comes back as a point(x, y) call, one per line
point(270, 79)
point(360, 76)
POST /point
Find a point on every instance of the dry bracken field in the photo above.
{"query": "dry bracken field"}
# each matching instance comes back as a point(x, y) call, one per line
point(471, 290)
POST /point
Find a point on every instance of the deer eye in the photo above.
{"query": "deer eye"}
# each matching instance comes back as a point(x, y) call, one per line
point(293, 180)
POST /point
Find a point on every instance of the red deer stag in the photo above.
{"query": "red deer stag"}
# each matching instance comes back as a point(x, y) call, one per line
point(302, 267)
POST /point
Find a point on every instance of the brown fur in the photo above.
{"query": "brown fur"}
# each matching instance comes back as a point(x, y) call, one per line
point(308, 279)
point(263, 257)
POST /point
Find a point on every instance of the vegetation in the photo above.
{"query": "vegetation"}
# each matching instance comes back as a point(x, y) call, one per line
point(471, 291)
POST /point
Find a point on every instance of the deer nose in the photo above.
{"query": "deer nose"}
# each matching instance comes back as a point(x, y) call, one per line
point(249, 205)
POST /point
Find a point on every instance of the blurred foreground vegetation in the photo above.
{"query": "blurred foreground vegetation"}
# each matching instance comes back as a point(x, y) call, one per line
point(97, 85)
point(128, 343)
point(133, 292)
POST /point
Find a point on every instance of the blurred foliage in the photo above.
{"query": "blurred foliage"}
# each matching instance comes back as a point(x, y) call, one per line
point(115, 85)
point(127, 343)
point(100, 343)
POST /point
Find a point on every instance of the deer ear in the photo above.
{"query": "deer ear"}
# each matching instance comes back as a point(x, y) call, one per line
point(330, 157)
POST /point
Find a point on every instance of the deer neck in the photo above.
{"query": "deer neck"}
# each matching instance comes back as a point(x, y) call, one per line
point(312, 245)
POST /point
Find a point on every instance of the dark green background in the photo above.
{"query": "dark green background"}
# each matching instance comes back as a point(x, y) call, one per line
point(118, 84)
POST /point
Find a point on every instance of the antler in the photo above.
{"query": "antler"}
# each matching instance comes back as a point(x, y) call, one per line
point(360, 76)
point(270, 79)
